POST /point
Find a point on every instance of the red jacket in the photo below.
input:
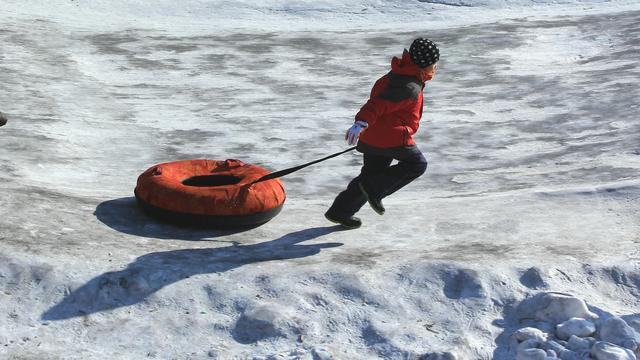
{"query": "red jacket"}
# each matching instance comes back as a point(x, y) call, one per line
point(394, 108)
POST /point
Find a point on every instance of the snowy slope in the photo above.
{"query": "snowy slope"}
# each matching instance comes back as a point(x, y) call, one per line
point(189, 16)
point(530, 129)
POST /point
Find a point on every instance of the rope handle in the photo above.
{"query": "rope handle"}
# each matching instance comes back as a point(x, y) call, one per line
point(288, 171)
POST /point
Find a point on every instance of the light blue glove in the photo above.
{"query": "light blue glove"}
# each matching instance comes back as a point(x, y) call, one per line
point(354, 131)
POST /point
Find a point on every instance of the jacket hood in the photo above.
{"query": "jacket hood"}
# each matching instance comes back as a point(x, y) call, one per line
point(405, 66)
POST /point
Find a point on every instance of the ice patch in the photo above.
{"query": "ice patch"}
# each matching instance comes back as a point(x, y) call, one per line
point(549, 51)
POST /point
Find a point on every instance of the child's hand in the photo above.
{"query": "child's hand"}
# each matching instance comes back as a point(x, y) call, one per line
point(354, 131)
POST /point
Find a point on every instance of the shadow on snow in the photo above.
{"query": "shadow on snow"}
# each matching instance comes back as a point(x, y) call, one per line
point(124, 215)
point(150, 273)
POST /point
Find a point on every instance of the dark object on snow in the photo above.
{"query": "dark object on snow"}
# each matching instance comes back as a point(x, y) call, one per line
point(209, 193)
point(214, 193)
point(424, 52)
point(380, 180)
point(3, 119)
point(346, 222)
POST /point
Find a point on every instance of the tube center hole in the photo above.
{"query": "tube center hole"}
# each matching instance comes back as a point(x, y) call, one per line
point(211, 180)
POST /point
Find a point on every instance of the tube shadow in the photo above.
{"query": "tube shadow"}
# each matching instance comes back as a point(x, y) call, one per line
point(124, 215)
point(151, 272)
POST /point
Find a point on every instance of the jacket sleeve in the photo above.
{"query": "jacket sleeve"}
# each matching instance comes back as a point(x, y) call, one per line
point(371, 111)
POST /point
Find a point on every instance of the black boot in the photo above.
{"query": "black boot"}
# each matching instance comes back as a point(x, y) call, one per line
point(347, 222)
point(376, 204)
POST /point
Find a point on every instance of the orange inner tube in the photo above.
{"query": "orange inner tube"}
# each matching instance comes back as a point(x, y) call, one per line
point(214, 188)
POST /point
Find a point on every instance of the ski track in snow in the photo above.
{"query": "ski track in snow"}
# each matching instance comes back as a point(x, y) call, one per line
point(531, 133)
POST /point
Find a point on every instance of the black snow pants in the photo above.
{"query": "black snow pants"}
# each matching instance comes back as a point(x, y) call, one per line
point(380, 177)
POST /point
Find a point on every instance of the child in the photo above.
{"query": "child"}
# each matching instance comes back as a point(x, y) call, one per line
point(383, 130)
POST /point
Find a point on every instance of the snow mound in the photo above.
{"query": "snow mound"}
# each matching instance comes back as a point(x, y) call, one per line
point(264, 321)
point(561, 326)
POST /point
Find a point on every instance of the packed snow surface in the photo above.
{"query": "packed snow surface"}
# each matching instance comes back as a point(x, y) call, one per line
point(521, 241)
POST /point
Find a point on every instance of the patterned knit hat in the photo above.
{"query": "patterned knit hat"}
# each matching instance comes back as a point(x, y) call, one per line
point(424, 52)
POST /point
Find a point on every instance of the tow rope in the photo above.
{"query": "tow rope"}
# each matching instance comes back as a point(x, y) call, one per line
point(290, 170)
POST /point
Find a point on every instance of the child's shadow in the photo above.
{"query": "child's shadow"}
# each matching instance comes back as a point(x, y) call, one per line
point(150, 273)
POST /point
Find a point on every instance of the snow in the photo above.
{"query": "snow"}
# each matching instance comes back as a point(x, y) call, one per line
point(522, 235)
point(575, 327)
point(589, 336)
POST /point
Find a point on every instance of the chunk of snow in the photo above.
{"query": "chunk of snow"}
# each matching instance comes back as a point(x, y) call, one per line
point(578, 344)
point(575, 326)
point(606, 351)
point(552, 345)
point(439, 356)
point(322, 354)
point(554, 307)
point(616, 331)
point(635, 324)
point(530, 333)
point(530, 344)
point(531, 354)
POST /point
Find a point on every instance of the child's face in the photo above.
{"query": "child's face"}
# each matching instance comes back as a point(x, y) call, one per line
point(429, 72)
